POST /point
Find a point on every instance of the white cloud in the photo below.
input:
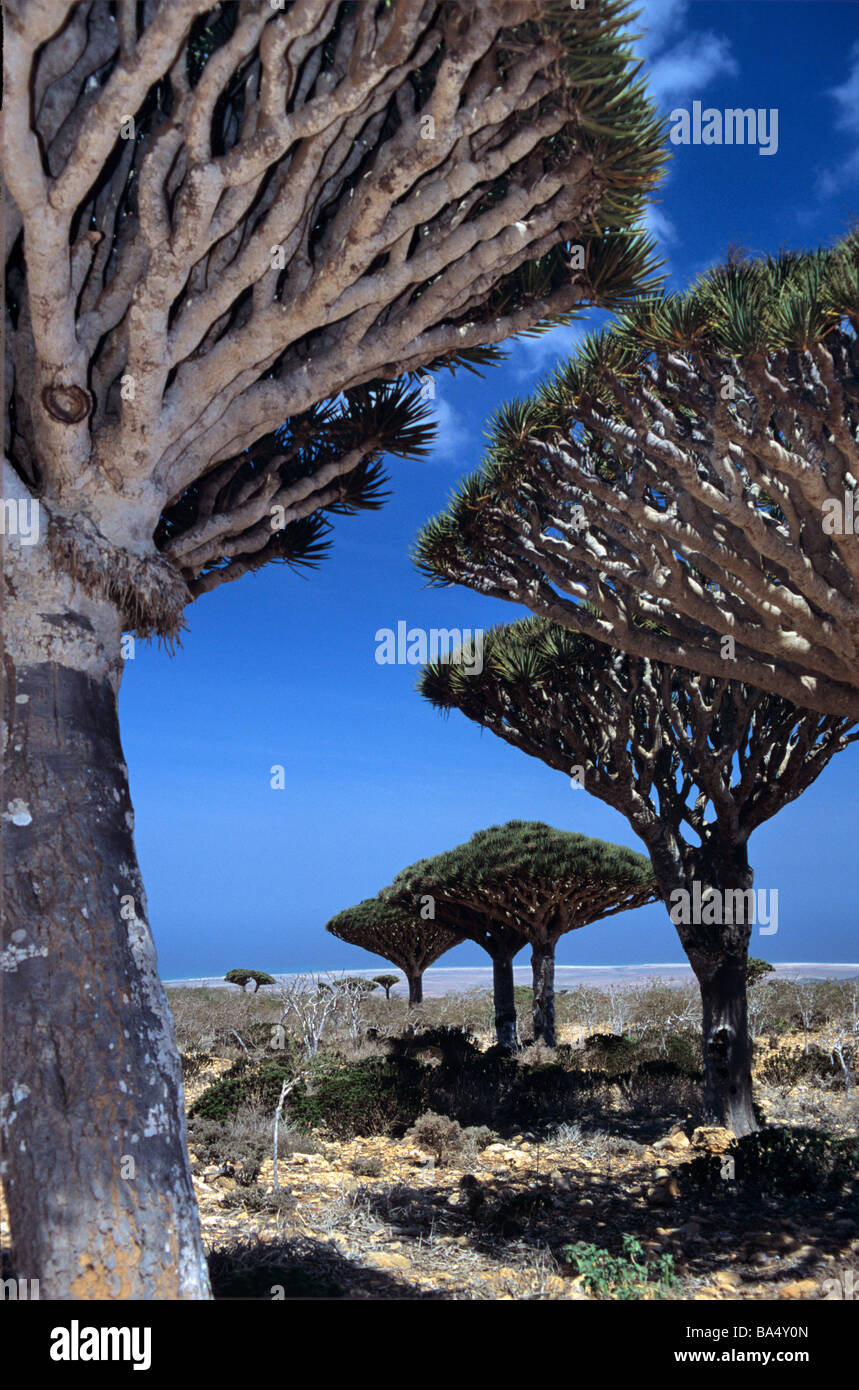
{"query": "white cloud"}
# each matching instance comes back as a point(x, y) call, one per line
point(678, 65)
point(659, 224)
point(534, 357)
point(685, 70)
point(657, 19)
point(833, 181)
point(846, 97)
point(452, 436)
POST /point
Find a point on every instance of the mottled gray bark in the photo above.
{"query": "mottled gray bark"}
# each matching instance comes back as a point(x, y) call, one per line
point(416, 989)
point(95, 1162)
point(543, 977)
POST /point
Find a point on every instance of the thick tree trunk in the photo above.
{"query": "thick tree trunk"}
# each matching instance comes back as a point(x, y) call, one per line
point(726, 1044)
point(96, 1167)
point(505, 1002)
point(543, 975)
point(416, 989)
point(718, 953)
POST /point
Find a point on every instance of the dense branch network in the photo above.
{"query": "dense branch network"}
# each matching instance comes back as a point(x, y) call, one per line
point(693, 762)
point(687, 488)
point(223, 216)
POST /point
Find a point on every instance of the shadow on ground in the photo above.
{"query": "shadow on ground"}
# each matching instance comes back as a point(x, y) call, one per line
point(299, 1268)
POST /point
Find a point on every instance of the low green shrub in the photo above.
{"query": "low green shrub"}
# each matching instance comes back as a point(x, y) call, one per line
point(456, 1047)
point(254, 1199)
point(256, 1084)
point(479, 1137)
point(372, 1096)
point(443, 1071)
point(239, 1146)
point(610, 1051)
point(622, 1277)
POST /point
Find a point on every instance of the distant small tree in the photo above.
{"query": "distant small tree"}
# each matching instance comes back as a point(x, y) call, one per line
point(387, 982)
point(756, 970)
point(351, 992)
point(525, 883)
point(840, 1033)
point(808, 1013)
point(244, 977)
point(411, 940)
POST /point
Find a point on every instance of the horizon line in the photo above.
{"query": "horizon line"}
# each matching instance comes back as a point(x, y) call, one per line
point(453, 969)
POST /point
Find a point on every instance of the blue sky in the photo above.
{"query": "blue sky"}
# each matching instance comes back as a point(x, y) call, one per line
point(279, 669)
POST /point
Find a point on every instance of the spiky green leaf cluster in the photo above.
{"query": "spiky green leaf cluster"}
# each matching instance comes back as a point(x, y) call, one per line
point(618, 122)
point(523, 856)
point(744, 311)
point(613, 124)
point(531, 652)
point(401, 936)
point(385, 418)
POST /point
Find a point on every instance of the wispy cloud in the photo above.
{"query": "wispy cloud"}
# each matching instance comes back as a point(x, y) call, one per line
point(846, 98)
point(453, 436)
point(534, 357)
point(690, 66)
point(658, 19)
point(679, 65)
point(659, 224)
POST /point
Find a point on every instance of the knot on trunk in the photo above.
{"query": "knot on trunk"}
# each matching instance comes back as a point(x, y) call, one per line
point(720, 1044)
point(148, 590)
point(68, 404)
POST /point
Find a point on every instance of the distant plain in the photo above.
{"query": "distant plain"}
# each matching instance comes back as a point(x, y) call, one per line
point(451, 979)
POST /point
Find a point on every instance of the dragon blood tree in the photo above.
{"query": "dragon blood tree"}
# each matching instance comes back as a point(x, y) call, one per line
point(695, 763)
point(244, 977)
point(687, 487)
point(409, 941)
point(228, 228)
point(525, 883)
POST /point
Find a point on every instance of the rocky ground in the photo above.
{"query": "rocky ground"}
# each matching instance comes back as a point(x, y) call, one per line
point(376, 1218)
